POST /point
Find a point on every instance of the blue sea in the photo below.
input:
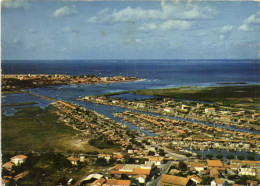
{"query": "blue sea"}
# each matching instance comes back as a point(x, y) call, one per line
point(158, 73)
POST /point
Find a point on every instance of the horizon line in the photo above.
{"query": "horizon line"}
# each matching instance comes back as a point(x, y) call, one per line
point(122, 59)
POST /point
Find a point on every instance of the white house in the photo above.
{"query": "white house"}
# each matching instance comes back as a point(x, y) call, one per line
point(210, 110)
point(247, 171)
point(19, 159)
point(157, 160)
point(218, 182)
point(73, 160)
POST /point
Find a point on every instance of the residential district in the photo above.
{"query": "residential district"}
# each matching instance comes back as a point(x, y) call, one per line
point(18, 81)
point(163, 159)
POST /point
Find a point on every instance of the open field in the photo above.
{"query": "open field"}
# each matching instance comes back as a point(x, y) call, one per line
point(249, 95)
point(35, 129)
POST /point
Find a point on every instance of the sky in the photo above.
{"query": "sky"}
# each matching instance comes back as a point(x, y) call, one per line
point(65, 30)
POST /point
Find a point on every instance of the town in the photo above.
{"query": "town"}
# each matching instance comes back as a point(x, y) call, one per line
point(163, 159)
point(19, 81)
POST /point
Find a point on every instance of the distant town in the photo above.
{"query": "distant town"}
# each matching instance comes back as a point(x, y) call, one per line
point(18, 81)
point(131, 157)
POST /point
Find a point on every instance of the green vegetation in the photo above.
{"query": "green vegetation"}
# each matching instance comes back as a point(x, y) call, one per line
point(227, 94)
point(182, 166)
point(33, 129)
point(209, 156)
point(233, 83)
point(219, 156)
point(230, 156)
point(19, 104)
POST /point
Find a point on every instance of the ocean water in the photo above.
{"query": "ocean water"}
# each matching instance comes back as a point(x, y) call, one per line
point(158, 73)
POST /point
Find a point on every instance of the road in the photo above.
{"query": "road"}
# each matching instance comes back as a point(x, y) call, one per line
point(164, 170)
point(172, 154)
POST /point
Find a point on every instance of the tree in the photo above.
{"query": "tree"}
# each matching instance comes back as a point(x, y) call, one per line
point(209, 156)
point(182, 166)
point(101, 161)
point(219, 156)
point(240, 157)
point(251, 157)
point(198, 156)
point(206, 180)
point(124, 177)
point(151, 153)
point(230, 156)
point(161, 152)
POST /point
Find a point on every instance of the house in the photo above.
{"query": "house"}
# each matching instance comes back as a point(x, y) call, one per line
point(107, 157)
point(215, 164)
point(218, 182)
point(99, 182)
point(21, 175)
point(141, 178)
point(19, 159)
point(247, 171)
point(197, 166)
point(196, 179)
point(184, 107)
point(210, 110)
point(167, 180)
point(214, 173)
point(157, 160)
point(111, 182)
point(167, 109)
point(73, 160)
point(5, 182)
point(132, 170)
point(92, 178)
point(251, 183)
point(8, 165)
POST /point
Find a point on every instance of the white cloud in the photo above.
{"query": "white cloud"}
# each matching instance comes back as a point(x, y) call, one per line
point(226, 29)
point(149, 26)
point(167, 25)
point(33, 31)
point(65, 11)
point(245, 28)
point(250, 22)
point(166, 12)
point(15, 4)
point(222, 37)
point(175, 25)
point(253, 19)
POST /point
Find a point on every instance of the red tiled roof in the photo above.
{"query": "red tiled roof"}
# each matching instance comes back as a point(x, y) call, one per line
point(214, 163)
point(118, 182)
point(22, 157)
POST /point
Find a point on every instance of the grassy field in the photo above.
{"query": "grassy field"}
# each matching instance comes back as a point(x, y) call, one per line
point(226, 94)
point(35, 129)
point(18, 104)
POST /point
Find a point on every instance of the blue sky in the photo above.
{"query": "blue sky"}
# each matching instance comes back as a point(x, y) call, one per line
point(130, 30)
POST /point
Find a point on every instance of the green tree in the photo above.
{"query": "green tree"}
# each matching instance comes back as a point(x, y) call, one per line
point(198, 156)
point(230, 156)
point(206, 180)
point(151, 153)
point(219, 156)
point(161, 152)
point(209, 156)
point(101, 161)
point(182, 166)
point(240, 157)
point(251, 157)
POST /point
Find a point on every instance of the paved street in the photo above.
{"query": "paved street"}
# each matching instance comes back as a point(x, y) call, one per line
point(164, 169)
